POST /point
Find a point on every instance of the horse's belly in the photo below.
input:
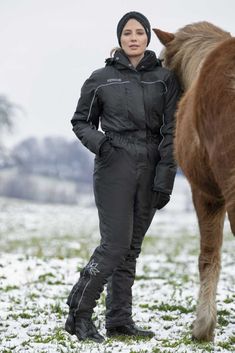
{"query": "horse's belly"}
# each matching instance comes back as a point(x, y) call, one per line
point(190, 153)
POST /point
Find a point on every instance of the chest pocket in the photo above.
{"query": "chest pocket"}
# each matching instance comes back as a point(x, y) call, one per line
point(154, 94)
point(113, 97)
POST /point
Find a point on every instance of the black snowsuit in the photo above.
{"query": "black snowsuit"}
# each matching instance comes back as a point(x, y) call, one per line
point(135, 107)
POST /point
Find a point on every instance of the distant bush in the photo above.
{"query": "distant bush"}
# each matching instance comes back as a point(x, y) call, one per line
point(36, 188)
point(48, 170)
point(54, 157)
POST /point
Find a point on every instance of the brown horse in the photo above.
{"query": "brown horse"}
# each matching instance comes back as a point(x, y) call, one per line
point(203, 57)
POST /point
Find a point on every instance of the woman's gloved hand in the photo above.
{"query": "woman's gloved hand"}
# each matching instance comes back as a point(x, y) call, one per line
point(160, 199)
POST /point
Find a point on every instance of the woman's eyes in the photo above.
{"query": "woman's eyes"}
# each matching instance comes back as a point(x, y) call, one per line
point(129, 33)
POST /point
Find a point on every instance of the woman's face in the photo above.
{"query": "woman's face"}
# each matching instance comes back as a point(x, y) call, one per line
point(134, 39)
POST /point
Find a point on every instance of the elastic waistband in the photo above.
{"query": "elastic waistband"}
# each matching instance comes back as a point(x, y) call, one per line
point(138, 136)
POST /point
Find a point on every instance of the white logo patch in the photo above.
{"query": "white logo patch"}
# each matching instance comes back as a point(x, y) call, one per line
point(114, 80)
point(92, 268)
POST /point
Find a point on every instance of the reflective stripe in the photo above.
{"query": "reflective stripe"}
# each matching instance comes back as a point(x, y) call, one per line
point(107, 84)
point(163, 119)
point(82, 295)
point(151, 82)
point(163, 116)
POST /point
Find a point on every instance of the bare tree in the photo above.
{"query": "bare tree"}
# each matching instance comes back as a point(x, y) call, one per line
point(7, 113)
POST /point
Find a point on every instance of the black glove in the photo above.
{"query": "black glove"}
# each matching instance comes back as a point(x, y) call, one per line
point(105, 147)
point(160, 199)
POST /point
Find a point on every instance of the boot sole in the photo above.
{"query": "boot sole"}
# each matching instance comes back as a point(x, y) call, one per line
point(118, 334)
point(90, 338)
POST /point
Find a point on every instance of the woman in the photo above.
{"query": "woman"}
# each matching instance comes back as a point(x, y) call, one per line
point(134, 98)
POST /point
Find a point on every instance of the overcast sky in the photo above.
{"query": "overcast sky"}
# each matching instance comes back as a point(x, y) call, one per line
point(49, 48)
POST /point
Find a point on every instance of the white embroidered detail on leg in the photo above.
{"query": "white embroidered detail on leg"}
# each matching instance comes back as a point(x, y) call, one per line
point(92, 268)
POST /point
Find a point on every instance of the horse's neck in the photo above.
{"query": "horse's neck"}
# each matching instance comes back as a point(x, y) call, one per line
point(191, 66)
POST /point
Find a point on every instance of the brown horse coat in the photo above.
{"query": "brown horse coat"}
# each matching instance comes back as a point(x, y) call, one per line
point(203, 57)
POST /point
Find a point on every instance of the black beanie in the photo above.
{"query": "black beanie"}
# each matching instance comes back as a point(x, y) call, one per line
point(138, 17)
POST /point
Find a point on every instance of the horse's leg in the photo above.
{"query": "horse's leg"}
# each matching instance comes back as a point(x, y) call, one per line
point(231, 217)
point(210, 213)
point(230, 203)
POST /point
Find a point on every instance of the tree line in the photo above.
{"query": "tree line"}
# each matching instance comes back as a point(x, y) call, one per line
point(52, 169)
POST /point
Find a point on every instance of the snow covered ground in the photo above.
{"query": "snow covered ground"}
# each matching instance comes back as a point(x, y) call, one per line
point(42, 247)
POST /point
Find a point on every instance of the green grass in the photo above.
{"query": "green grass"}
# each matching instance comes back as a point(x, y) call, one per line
point(49, 247)
point(9, 288)
point(229, 344)
point(167, 307)
point(39, 306)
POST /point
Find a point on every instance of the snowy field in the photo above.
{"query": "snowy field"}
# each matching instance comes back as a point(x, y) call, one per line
point(42, 247)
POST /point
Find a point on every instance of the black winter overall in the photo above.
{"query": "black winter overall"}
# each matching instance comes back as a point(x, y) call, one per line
point(136, 108)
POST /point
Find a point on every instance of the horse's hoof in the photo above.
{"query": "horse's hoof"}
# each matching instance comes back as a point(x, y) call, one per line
point(202, 338)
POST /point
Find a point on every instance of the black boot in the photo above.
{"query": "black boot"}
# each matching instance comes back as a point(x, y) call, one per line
point(83, 328)
point(129, 330)
point(70, 324)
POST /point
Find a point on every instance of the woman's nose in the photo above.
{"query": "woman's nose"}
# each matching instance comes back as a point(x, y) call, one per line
point(133, 37)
